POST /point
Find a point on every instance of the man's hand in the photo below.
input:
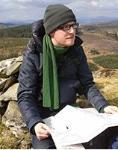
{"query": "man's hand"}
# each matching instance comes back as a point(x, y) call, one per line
point(42, 131)
point(111, 109)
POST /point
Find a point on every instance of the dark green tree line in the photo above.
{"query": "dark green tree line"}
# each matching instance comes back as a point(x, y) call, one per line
point(16, 32)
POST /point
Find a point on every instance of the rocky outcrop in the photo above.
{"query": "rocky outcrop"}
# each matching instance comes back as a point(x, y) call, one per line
point(10, 115)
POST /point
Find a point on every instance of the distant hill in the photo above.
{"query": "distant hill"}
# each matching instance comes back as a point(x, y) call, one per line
point(17, 31)
point(109, 23)
point(97, 20)
point(104, 19)
point(13, 30)
point(6, 25)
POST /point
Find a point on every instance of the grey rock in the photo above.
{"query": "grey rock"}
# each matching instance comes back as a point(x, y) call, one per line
point(13, 120)
point(5, 64)
point(14, 67)
point(10, 94)
point(10, 66)
point(2, 83)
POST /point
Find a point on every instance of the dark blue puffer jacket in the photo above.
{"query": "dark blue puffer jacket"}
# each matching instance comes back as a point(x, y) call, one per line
point(73, 73)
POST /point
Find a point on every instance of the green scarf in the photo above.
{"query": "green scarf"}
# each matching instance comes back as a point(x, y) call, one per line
point(50, 77)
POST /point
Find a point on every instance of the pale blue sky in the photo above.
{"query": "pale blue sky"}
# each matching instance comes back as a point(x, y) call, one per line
point(29, 10)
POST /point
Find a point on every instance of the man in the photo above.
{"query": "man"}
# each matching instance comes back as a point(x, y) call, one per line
point(53, 69)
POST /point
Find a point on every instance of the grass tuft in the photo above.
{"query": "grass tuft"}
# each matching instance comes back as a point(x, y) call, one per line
point(109, 61)
point(93, 67)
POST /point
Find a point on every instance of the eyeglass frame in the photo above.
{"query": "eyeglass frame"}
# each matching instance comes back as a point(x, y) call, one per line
point(67, 27)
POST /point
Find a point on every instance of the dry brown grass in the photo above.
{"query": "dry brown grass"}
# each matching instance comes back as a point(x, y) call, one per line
point(102, 44)
point(109, 88)
point(12, 47)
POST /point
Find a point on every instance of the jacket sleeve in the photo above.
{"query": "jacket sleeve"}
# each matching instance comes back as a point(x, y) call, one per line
point(29, 89)
point(86, 80)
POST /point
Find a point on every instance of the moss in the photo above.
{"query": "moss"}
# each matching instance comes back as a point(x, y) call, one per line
point(109, 61)
point(7, 139)
point(93, 67)
point(8, 142)
point(94, 51)
point(1, 127)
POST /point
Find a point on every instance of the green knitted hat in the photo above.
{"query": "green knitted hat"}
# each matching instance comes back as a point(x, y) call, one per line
point(56, 15)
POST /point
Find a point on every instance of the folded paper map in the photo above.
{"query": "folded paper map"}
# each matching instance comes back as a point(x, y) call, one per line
point(74, 125)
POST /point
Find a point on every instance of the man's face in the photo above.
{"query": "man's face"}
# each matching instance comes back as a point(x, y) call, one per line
point(64, 36)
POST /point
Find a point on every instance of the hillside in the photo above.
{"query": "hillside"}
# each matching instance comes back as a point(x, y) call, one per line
point(18, 31)
point(96, 41)
point(100, 37)
point(6, 25)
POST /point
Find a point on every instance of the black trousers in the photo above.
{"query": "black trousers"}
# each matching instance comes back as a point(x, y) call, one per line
point(102, 141)
point(105, 140)
point(43, 144)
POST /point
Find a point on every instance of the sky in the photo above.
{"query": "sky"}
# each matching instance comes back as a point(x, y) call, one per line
point(31, 10)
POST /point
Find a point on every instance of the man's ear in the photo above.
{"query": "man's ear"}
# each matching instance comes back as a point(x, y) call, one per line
point(52, 34)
